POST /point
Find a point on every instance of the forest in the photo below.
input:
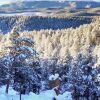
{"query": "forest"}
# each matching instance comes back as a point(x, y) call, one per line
point(30, 23)
point(29, 57)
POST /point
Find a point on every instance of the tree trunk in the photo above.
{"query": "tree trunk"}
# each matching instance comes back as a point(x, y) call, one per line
point(20, 91)
point(7, 87)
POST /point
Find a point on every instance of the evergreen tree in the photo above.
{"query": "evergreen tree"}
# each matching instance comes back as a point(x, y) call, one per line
point(23, 68)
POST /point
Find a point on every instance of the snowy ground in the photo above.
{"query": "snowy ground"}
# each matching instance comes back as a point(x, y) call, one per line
point(47, 95)
point(28, 14)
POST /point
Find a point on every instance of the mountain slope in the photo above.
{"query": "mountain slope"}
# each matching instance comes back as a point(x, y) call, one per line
point(30, 23)
point(27, 5)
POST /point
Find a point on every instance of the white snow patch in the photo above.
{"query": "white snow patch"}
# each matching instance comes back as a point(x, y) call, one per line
point(47, 95)
point(98, 77)
point(28, 14)
point(53, 77)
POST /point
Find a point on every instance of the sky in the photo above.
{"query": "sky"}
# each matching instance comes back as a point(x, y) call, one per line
point(9, 1)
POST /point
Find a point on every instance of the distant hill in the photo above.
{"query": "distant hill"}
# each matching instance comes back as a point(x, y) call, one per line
point(31, 5)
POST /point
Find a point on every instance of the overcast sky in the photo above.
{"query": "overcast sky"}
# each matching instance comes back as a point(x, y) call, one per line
point(8, 1)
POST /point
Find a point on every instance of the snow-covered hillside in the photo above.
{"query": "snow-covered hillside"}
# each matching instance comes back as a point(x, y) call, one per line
point(28, 14)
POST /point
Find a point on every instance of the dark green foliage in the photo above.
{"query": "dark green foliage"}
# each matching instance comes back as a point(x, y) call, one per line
point(29, 23)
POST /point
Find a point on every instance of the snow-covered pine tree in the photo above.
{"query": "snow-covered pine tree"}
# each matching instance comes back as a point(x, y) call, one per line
point(82, 76)
point(23, 72)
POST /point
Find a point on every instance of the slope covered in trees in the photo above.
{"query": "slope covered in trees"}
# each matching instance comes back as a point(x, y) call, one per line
point(30, 23)
point(64, 42)
point(61, 43)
